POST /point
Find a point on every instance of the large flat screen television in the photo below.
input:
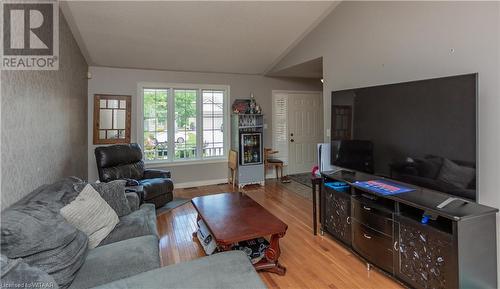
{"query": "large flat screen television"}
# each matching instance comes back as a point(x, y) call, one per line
point(419, 132)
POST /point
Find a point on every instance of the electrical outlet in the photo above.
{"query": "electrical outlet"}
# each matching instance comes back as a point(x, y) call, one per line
point(265, 126)
point(328, 134)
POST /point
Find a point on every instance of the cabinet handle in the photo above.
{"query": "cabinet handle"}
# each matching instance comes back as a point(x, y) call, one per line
point(367, 208)
point(348, 220)
point(367, 236)
point(396, 246)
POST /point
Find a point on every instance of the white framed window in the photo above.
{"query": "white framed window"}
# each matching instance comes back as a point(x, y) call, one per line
point(183, 122)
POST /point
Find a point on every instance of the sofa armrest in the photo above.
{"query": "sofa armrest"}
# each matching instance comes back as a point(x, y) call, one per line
point(153, 174)
point(133, 201)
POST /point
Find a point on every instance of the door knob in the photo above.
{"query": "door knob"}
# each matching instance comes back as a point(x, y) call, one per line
point(292, 140)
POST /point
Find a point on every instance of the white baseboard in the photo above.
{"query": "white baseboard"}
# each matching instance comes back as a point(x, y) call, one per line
point(199, 183)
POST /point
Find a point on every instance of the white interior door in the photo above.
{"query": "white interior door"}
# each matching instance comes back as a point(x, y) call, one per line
point(297, 128)
point(305, 130)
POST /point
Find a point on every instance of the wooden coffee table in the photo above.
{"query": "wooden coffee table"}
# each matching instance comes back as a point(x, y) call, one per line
point(235, 217)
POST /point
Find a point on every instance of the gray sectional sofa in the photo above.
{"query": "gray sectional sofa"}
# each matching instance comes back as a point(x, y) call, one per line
point(39, 246)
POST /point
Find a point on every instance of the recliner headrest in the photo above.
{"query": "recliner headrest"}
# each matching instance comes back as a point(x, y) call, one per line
point(114, 155)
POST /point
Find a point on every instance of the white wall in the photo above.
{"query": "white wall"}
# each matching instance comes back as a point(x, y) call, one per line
point(124, 81)
point(371, 43)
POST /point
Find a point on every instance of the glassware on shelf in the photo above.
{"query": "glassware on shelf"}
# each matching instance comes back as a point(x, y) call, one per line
point(248, 120)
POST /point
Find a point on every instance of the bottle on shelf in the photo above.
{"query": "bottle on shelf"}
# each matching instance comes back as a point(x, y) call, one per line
point(255, 157)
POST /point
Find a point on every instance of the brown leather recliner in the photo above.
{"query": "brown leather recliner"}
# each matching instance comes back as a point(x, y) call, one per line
point(117, 162)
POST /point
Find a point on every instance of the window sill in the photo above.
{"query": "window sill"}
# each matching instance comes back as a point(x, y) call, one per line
point(163, 164)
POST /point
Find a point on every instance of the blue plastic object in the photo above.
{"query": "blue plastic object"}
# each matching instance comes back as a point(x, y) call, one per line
point(425, 219)
point(338, 186)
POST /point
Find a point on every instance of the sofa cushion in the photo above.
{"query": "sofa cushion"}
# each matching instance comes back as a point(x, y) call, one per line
point(113, 193)
point(91, 214)
point(133, 201)
point(117, 261)
point(156, 187)
point(459, 176)
point(138, 223)
point(38, 234)
point(223, 270)
point(16, 274)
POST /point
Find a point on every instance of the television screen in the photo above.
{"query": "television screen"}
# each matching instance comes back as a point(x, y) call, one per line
point(420, 132)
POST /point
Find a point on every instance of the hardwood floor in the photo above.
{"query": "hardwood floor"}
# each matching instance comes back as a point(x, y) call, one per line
point(311, 261)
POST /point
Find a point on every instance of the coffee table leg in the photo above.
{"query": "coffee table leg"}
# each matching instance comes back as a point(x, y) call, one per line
point(270, 261)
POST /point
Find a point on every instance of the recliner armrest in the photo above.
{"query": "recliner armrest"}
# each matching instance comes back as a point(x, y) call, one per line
point(152, 174)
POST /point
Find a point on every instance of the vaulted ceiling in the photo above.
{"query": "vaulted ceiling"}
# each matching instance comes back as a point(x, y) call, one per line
point(231, 37)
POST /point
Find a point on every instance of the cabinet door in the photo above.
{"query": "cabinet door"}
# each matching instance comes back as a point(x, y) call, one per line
point(336, 214)
point(424, 256)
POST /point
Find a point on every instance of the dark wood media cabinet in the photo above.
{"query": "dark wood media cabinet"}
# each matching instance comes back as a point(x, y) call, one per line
point(456, 248)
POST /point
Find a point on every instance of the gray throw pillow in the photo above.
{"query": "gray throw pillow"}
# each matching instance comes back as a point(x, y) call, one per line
point(43, 239)
point(113, 193)
point(17, 274)
point(456, 175)
point(91, 215)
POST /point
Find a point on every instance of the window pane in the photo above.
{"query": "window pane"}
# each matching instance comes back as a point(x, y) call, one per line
point(155, 124)
point(218, 96)
point(185, 123)
point(213, 123)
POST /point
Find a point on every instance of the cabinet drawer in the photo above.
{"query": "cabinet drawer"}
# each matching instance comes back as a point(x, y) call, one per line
point(375, 218)
point(374, 246)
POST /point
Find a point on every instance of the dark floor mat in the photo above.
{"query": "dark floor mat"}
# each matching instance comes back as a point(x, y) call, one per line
point(304, 178)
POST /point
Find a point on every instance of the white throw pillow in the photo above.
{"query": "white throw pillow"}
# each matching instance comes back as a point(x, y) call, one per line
point(90, 214)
